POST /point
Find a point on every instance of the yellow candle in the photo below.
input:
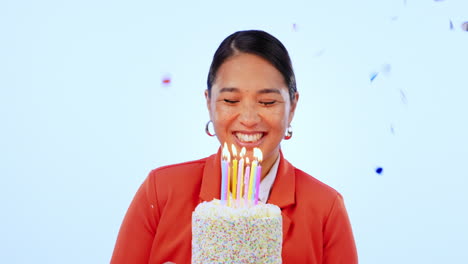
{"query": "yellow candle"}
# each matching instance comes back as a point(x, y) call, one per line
point(234, 173)
point(253, 169)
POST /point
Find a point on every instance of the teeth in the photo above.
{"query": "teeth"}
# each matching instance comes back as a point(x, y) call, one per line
point(249, 137)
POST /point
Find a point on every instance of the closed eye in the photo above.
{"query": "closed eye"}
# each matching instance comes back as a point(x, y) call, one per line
point(267, 103)
point(230, 101)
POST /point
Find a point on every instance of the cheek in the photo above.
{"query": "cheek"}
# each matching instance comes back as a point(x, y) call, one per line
point(222, 113)
point(221, 117)
point(277, 118)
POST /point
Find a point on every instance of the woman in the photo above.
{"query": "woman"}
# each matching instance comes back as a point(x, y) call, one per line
point(251, 99)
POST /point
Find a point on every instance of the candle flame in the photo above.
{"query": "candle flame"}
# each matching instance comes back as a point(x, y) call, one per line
point(242, 153)
point(225, 154)
point(247, 161)
point(258, 155)
point(234, 151)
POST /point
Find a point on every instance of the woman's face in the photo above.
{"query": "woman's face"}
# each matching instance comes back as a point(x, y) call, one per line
point(250, 105)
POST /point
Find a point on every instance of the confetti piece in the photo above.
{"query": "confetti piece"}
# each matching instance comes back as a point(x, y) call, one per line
point(166, 81)
point(386, 68)
point(294, 27)
point(379, 170)
point(319, 53)
point(392, 129)
point(403, 97)
point(464, 26)
point(451, 25)
point(373, 76)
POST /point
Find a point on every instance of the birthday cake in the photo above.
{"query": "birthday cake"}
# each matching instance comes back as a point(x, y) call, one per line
point(224, 234)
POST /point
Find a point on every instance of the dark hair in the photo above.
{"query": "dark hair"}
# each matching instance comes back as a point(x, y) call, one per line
point(259, 43)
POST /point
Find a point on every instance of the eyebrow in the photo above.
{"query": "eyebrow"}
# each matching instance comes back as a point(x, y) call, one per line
point(269, 90)
point(229, 89)
point(263, 91)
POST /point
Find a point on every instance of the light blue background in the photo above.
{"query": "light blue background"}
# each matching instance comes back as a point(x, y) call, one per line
point(85, 116)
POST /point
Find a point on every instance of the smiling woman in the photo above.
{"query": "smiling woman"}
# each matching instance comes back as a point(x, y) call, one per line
point(250, 106)
point(251, 99)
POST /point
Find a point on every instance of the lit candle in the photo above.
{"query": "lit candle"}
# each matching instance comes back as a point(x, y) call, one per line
point(253, 170)
point(228, 190)
point(246, 180)
point(224, 173)
point(259, 156)
point(234, 172)
point(240, 174)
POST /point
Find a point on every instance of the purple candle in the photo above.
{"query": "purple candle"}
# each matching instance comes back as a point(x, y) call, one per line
point(224, 174)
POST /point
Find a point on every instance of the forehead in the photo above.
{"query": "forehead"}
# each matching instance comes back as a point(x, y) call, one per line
point(248, 71)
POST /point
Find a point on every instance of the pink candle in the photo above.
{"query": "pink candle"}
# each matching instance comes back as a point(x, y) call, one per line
point(258, 173)
point(240, 178)
point(246, 181)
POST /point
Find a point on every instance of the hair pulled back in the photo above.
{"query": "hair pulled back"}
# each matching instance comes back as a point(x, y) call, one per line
point(259, 43)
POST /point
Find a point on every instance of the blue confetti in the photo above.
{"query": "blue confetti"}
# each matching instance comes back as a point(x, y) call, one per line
point(319, 53)
point(451, 25)
point(373, 76)
point(403, 97)
point(386, 68)
point(379, 170)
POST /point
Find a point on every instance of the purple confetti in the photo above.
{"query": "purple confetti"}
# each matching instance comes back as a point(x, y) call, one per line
point(464, 26)
point(379, 170)
point(294, 27)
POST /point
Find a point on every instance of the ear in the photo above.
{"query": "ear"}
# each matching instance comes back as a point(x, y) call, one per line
point(208, 101)
point(292, 110)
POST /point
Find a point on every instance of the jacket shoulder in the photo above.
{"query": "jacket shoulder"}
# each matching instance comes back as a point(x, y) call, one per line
point(314, 188)
point(178, 172)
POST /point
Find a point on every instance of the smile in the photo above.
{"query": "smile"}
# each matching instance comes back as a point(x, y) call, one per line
point(248, 138)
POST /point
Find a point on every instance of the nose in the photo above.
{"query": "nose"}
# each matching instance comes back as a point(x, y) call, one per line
point(249, 115)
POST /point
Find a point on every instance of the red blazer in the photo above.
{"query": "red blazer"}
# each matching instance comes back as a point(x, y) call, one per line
point(157, 226)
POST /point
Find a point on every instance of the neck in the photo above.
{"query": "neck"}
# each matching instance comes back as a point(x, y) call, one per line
point(268, 163)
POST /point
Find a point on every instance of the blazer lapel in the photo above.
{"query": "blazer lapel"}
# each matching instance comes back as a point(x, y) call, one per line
point(283, 191)
point(211, 181)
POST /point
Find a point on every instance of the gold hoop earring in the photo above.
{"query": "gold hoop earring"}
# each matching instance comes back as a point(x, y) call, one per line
point(207, 129)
